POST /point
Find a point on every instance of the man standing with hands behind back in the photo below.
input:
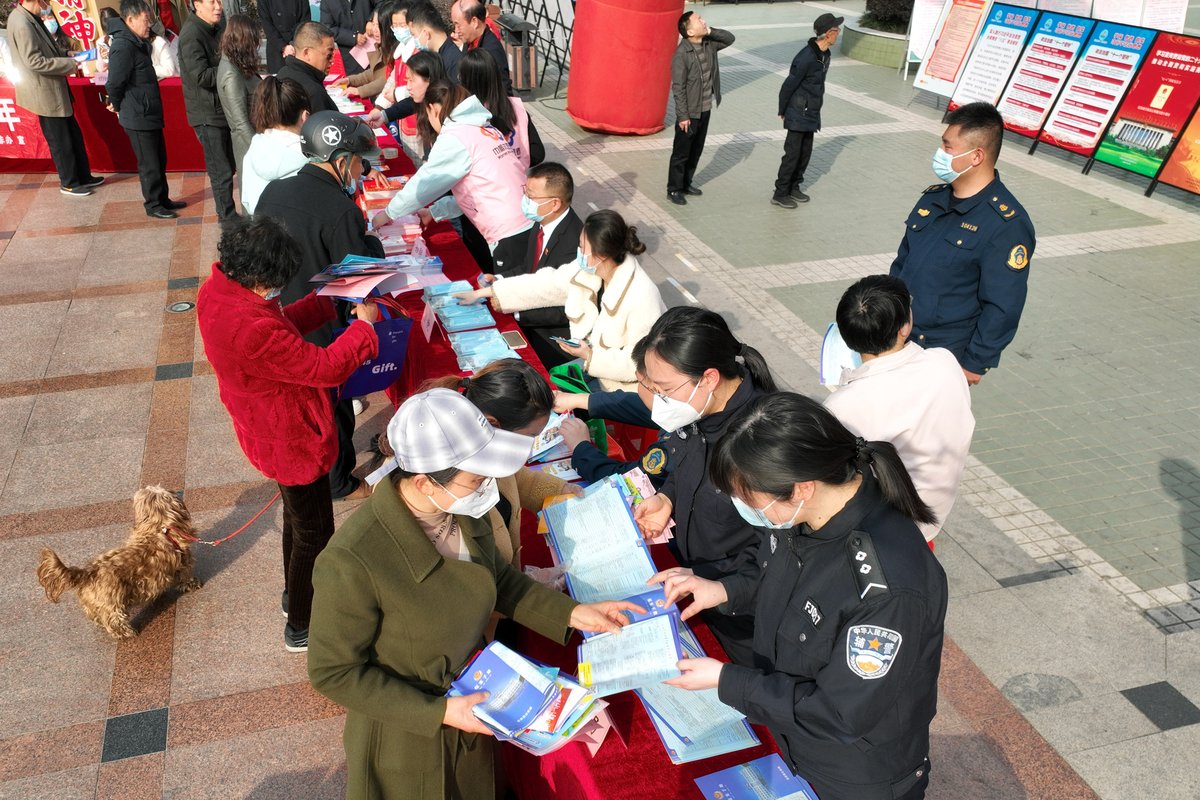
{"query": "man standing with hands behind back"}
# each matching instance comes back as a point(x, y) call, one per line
point(199, 54)
point(696, 86)
point(800, 101)
point(967, 247)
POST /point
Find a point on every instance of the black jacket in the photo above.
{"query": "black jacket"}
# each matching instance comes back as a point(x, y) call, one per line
point(279, 21)
point(847, 647)
point(490, 43)
point(803, 91)
point(132, 85)
point(347, 19)
point(539, 324)
point(325, 221)
point(311, 79)
point(628, 408)
point(199, 55)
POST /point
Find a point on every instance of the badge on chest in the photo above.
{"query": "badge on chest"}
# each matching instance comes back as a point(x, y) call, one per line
point(813, 612)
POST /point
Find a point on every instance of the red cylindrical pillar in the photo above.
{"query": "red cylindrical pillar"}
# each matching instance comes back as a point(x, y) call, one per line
point(620, 74)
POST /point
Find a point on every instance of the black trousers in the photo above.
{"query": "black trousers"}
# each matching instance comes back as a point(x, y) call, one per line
point(150, 148)
point(307, 528)
point(476, 245)
point(67, 149)
point(797, 150)
point(341, 479)
point(685, 153)
point(218, 162)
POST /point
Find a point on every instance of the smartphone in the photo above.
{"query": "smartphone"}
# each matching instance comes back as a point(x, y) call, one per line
point(568, 342)
point(514, 339)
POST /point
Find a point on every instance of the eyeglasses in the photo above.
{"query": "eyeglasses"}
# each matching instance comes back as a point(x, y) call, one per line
point(667, 394)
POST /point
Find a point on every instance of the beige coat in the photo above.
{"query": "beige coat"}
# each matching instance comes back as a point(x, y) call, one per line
point(527, 489)
point(631, 304)
point(43, 68)
point(919, 401)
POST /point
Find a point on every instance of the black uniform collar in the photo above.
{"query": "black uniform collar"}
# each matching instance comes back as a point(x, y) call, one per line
point(742, 395)
point(849, 519)
point(967, 204)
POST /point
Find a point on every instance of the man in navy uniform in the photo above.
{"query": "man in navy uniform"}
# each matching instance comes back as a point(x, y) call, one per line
point(967, 247)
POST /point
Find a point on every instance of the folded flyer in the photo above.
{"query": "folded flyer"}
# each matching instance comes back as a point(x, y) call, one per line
point(766, 778)
point(519, 691)
point(640, 654)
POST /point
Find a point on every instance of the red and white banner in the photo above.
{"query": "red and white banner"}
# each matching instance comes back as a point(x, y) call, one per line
point(20, 134)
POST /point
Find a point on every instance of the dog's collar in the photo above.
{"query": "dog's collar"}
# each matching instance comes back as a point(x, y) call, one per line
point(167, 530)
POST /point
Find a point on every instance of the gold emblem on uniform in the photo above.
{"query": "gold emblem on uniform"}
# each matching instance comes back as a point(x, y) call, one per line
point(1003, 207)
point(654, 461)
point(1010, 214)
point(1018, 258)
point(924, 212)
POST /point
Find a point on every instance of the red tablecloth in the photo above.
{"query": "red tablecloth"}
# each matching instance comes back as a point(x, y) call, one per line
point(107, 145)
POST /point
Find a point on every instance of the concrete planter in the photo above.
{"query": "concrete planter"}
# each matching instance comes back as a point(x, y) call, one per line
point(872, 46)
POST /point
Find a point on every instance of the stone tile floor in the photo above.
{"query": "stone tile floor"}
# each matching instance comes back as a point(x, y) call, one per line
point(1073, 668)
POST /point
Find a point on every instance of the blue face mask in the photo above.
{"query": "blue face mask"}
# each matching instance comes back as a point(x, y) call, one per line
point(402, 34)
point(582, 262)
point(943, 165)
point(273, 293)
point(51, 25)
point(758, 516)
point(530, 208)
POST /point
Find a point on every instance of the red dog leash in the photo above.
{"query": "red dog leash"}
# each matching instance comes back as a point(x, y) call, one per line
point(188, 537)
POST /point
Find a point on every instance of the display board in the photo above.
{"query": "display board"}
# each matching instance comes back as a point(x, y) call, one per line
point(921, 23)
point(1182, 169)
point(1078, 8)
point(1156, 108)
point(994, 55)
point(1165, 15)
point(954, 35)
point(1042, 71)
point(1104, 71)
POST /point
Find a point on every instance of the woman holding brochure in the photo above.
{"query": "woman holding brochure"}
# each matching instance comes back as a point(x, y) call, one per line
point(403, 593)
point(848, 599)
point(701, 378)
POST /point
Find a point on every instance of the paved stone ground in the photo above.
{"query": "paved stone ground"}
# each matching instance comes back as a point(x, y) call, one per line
point(1073, 665)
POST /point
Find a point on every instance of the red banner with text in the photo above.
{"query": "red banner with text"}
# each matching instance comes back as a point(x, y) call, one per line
point(20, 134)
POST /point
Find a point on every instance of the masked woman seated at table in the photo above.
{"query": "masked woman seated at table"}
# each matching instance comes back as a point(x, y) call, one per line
point(700, 378)
point(404, 592)
point(609, 299)
point(849, 602)
point(471, 160)
point(370, 82)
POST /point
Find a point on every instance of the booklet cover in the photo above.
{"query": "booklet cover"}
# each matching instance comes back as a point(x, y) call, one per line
point(520, 692)
point(766, 778)
point(642, 654)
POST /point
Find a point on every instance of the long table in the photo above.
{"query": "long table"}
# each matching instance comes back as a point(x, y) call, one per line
point(107, 145)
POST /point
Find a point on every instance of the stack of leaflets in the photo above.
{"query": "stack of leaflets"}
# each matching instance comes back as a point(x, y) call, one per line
point(549, 444)
point(355, 278)
point(694, 725)
point(766, 778)
point(477, 349)
point(537, 708)
point(636, 487)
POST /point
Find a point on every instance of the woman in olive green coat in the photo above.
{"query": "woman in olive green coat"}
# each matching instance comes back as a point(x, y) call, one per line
point(402, 594)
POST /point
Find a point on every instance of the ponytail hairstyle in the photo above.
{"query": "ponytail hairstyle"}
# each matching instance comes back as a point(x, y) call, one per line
point(693, 340)
point(278, 104)
point(480, 74)
point(509, 390)
point(784, 438)
point(610, 237)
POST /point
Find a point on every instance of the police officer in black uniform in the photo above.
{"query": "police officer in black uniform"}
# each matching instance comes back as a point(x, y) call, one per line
point(629, 408)
point(967, 247)
point(849, 602)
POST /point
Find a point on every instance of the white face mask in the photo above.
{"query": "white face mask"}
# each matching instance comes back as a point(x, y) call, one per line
point(582, 261)
point(758, 516)
point(476, 504)
point(671, 415)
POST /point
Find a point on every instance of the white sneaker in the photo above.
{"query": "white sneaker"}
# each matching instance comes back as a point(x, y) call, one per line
point(359, 405)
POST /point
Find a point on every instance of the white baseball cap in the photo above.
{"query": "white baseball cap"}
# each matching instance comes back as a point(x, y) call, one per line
point(440, 429)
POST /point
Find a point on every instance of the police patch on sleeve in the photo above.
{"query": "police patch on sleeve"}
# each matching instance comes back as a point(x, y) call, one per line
point(654, 461)
point(1018, 258)
point(870, 650)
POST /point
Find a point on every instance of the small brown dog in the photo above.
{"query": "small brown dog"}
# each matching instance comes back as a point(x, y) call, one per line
point(155, 557)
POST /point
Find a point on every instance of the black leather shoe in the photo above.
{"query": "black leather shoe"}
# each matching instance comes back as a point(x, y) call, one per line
point(799, 196)
point(677, 198)
point(162, 213)
point(693, 190)
point(174, 205)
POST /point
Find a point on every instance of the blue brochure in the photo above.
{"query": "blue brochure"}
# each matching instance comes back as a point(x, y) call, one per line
point(766, 778)
point(519, 691)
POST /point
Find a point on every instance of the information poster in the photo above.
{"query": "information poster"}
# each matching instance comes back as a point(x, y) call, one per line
point(1106, 68)
point(1182, 169)
point(1165, 15)
point(956, 31)
point(1156, 108)
point(1042, 71)
point(994, 56)
point(921, 23)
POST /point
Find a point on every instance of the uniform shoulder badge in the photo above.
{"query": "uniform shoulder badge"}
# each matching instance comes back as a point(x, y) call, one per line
point(1004, 206)
point(937, 187)
point(924, 212)
point(654, 461)
point(871, 650)
point(865, 563)
point(1018, 258)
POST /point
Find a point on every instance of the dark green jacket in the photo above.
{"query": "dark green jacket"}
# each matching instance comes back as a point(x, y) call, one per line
point(392, 624)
